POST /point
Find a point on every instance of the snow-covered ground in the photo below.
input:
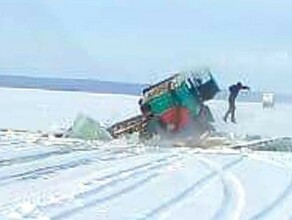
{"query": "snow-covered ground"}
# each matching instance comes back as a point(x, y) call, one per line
point(51, 110)
point(252, 119)
point(43, 178)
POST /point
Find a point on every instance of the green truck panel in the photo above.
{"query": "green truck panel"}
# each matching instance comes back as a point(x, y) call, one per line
point(181, 96)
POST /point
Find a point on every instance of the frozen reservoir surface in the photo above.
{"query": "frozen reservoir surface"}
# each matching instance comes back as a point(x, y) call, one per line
point(47, 178)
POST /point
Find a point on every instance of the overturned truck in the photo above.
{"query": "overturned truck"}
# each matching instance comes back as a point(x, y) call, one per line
point(173, 108)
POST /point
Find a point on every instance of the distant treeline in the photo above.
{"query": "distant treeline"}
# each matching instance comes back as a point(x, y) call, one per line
point(97, 86)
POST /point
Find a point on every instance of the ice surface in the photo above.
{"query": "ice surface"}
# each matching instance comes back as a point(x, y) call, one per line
point(88, 129)
point(52, 110)
point(252, 119)
point(47, 178)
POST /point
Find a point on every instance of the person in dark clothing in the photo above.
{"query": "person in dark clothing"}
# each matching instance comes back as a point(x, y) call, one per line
point(233, 92)
point(144, 108)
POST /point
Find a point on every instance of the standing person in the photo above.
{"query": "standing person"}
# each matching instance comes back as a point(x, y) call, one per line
point(233, 92)
point(144, 108)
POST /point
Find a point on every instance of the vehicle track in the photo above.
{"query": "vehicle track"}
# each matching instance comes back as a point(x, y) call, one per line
point(34, 157)
point(52, 169)
point(233, 200)
point(170, 204)
point(276, 202)
point(117, 178)
point(94, 202)
point(87, 158)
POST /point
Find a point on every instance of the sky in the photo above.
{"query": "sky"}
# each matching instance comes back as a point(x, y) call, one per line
point(146, 40)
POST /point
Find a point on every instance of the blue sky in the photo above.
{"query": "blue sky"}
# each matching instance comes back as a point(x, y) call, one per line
point(142, 41)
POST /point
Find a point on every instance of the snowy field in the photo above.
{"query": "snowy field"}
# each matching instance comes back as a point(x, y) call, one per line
point(43, 178)
point(51, 110)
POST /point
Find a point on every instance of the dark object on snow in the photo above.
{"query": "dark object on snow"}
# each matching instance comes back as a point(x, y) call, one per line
point(233, 93)
point(173, 107)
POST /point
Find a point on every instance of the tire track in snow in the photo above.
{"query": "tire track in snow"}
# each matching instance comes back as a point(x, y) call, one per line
point(117, 178)
point(45, 155)
point(55, 151)
point(123, 191)
point(52, 170)
point(85, 159)
point(41, 172)
point(233, 201)
point(123, 176)
point(276, 203)
point(34, 157)
point(165, 209)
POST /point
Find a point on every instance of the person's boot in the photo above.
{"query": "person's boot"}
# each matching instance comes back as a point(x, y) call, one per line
point(233, 120)
point(225, 117)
